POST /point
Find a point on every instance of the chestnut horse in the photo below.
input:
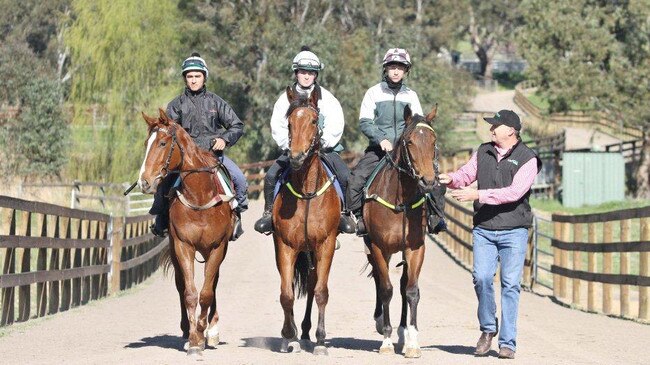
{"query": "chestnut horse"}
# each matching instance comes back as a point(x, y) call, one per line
point(394, 213)
point(199, 221)
point(305, 218)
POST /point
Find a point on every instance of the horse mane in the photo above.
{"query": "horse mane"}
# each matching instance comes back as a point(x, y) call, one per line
point(206, 158)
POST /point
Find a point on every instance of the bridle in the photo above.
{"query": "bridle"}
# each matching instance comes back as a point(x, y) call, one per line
point(164, 170)
point(315, 142)
point(406, 156)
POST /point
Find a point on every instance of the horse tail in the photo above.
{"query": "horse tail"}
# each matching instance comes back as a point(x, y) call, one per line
point(301, 275)
point(166, 259)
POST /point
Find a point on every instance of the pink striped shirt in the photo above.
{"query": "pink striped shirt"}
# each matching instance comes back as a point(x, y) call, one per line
point(521, 182)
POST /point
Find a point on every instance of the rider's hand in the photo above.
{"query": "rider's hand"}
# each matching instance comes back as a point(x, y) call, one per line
point(219, 144)
point(386, 145)
point(444, 179)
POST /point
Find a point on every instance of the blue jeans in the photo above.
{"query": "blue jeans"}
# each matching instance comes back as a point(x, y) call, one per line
point(509, 246)
point(239, 180)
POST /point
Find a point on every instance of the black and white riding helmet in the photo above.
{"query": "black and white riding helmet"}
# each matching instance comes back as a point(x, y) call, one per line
point(194, 63)
point(306, 60)
point(397, 55)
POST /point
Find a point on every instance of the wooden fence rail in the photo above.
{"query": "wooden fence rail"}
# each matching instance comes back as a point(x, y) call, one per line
point(54, 258)
point(617, 250)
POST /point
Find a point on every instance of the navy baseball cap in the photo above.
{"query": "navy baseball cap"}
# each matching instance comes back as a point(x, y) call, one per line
point(505, 117)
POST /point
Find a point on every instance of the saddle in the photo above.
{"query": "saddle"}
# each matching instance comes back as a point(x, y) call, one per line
point(225, 189)
point(284, 180)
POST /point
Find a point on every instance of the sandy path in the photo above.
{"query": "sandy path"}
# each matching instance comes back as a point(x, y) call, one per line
point(141, 325)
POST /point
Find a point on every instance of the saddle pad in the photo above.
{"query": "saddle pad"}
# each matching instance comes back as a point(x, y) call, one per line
point(284, 179)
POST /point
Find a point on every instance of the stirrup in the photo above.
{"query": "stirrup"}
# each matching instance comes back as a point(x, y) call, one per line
point(346, 224)
point(264, 225)
point(239, 230)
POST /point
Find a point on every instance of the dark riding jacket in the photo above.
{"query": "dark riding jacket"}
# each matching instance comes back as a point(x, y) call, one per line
point(206, 116)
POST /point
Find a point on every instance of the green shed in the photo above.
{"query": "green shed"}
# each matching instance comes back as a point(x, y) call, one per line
point(590, 178)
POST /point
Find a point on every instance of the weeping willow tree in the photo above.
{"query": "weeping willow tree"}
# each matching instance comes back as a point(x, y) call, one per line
point(123, 53)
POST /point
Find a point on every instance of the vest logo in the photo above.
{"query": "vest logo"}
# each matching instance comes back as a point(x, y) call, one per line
point(514, 162)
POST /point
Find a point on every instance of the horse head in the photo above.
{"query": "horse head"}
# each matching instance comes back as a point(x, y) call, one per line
point(163, 152)
point(416, 148)
point(304, 133)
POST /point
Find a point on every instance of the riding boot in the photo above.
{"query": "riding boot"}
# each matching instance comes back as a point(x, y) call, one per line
point(160, 226)
point(346, 223)
point(435, 224)
point(361, 226)
point(239, 230)
point(265, 224)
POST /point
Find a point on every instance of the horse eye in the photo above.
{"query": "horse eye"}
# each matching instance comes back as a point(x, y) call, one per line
point(163, 143)
point(314, 121)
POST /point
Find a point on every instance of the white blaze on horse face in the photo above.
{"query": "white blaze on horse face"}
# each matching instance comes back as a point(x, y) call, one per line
point(146, 154)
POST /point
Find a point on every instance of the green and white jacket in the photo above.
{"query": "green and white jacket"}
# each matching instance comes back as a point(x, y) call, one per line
point(382, 112)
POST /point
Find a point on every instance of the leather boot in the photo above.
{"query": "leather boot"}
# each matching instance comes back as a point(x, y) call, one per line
point(238, 231)
point(484, 344)
point(436, 224)
point(346, 223)
point(265, 224)
point(361, 226)
point(160, 226)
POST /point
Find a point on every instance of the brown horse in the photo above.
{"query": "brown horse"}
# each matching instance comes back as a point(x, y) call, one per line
point(395, 216)
point(306, 217)
point(199, 221)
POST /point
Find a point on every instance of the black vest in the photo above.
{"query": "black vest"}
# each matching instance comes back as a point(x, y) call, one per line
point(494, 175)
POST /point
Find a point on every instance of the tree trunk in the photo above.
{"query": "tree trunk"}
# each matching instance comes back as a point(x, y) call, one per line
point(643, 171)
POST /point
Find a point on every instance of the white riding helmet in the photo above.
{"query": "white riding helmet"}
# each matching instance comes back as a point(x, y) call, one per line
point(306, 60)
point(194, 63)
point(397, 55)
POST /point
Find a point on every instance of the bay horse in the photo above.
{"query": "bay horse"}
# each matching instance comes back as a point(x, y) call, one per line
point(199, 221)
point(395, 216)
point(305, 218)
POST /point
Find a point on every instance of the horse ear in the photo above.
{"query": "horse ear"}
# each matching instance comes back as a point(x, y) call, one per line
point(314, 97)
point(408, 114)
point(163, 118)
point(151, 121)
point(291, 96)
point(433, 114)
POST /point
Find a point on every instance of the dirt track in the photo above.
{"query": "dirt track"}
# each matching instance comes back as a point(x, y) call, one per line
point(141, 325)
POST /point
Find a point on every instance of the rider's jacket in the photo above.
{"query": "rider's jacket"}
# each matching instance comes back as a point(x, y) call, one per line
point(382, 112)
point(330, 119)
point(205, 116)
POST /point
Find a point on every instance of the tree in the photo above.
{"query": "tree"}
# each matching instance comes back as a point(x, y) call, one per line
point(124, 52)
point(593, 53)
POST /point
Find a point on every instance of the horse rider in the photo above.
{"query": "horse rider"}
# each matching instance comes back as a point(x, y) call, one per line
point(213, 126)
point(306, 66)
point(381, 119)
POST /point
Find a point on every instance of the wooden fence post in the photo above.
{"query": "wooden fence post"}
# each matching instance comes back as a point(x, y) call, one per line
point(644, 270)
point(577, 262)
point(564, 258)
point(557, 234)
point(625, 268)
point(591, 267)
point(607, 268)
point(117, 225)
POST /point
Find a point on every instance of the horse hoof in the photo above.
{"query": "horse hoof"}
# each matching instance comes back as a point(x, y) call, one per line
point(195, 351)
point(320, 350)
point(413, 353)
point(186, 346)
point(292, 346)
point(387, 347)
point(213, 341)
point(212, 337)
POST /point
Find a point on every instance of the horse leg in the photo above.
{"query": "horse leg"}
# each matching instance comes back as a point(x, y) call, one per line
point(401, 330)
point(180, 287)
point(414, 259)
point(185, 254)
point(324, 256)
point(208, 298)
point(385, 294)
point(306, 322)
point(285, 260)
point(377, 315)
